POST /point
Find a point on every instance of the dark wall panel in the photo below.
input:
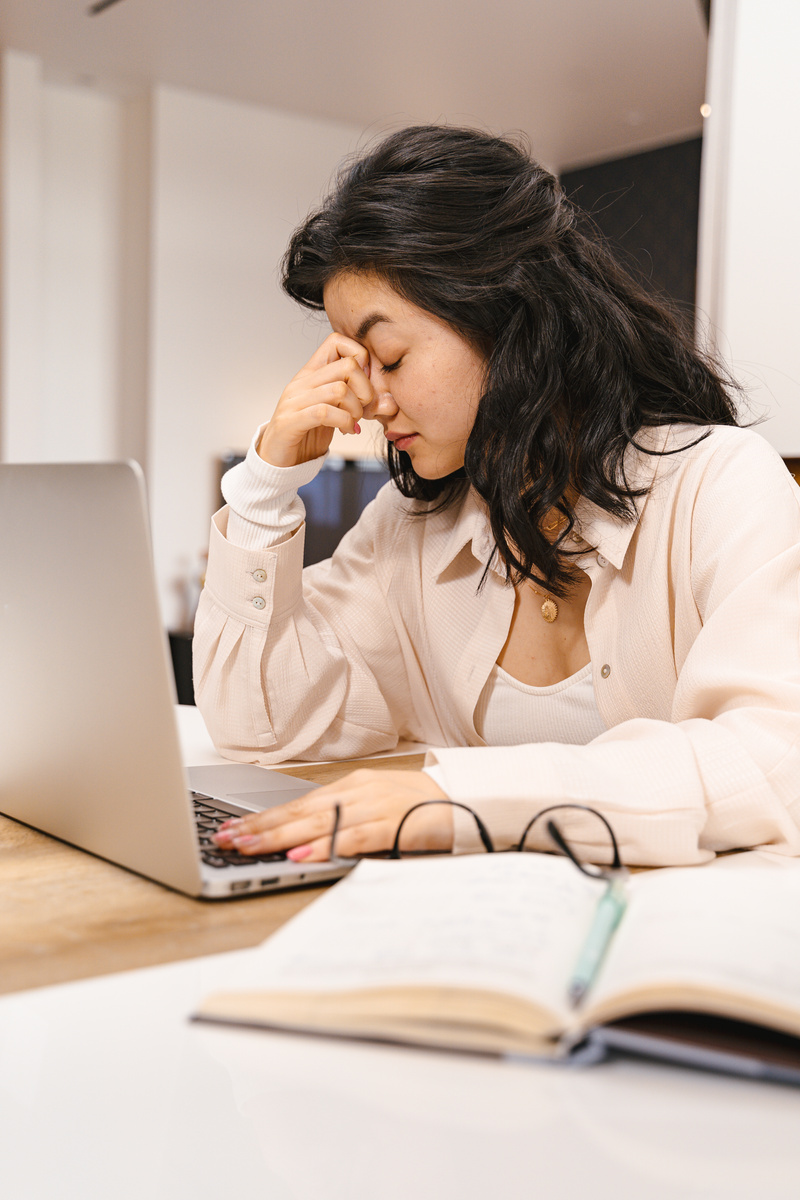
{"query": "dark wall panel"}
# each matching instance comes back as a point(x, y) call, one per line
point(647, 205)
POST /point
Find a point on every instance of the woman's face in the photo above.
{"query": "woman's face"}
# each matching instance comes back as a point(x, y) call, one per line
point(428, 379)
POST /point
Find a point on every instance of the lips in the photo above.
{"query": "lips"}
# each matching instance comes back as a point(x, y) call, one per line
point(401, 440)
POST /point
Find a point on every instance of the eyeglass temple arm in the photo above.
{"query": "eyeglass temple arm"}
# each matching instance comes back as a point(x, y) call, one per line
point(337, 816)
point(482, 830)
point(564, 846)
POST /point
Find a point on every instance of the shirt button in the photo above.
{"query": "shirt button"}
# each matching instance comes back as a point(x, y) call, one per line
point(260, 575)
point(605, 670)
point(602, 562)
point(259, 602)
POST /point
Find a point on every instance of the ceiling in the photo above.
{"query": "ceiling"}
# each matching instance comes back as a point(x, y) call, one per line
point(584, 79)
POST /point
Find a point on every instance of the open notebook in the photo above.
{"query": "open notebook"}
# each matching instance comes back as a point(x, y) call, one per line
point(476, 953)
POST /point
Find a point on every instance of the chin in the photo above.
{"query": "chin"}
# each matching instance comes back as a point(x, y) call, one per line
point(428, 467)
point(437, 470)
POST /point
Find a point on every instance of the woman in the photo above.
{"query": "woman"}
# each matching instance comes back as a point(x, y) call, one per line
point(582, 583)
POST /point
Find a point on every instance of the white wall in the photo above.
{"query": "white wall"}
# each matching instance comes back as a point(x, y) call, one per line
point(230, 182)
point(21, 253)
point(61, 250)
point(81, 278)
point(749, 233)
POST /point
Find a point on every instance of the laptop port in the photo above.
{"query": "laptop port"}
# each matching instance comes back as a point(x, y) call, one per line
point(240, 885)
point(269, 882)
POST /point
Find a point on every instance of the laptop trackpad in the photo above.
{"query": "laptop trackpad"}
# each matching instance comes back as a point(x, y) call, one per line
point(259, 800)
point(243, 783)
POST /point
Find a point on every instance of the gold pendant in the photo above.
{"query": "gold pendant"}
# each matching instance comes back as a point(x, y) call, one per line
point(549, 611)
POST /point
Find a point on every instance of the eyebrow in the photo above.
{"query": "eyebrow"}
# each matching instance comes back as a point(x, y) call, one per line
point(368, 322)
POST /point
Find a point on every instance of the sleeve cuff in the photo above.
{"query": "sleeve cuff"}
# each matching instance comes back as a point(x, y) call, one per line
point(436, 774)
point(254, 585)
point(501, 783)
point(262, 499)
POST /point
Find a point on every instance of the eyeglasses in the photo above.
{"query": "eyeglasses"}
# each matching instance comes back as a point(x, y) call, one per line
point(592, 870)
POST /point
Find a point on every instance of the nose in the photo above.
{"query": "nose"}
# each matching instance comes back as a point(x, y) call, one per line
point(382, 406)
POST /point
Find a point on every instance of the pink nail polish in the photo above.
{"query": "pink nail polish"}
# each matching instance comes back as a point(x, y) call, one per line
point(246, 839)
point(356, 428)
point(299, 853)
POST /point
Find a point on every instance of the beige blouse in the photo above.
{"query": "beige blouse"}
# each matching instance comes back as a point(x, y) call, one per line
point(693, 625)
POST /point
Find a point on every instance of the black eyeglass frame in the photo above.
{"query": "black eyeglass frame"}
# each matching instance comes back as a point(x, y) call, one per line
point(593, 871)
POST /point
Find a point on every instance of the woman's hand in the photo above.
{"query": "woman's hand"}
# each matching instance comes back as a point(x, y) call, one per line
point(372, 805)
point(331, 392)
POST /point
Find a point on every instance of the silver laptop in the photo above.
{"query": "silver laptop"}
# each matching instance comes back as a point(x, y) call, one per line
point(89, 748)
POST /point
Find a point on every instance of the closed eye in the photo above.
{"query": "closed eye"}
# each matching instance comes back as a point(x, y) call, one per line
point(389, 367)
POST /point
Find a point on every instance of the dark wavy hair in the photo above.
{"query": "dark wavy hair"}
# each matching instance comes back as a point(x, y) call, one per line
point(579, 357)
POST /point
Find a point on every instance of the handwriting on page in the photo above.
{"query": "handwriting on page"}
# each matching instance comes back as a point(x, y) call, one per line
point(504, 921)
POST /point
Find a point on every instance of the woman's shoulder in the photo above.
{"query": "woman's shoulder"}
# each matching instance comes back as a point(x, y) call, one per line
point(719, 449)
point(730, 473)
point(715, 473)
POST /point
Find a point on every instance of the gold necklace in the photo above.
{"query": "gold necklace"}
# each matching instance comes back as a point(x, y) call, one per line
point(549, 608)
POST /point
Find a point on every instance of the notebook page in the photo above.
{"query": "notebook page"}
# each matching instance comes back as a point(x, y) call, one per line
point(505, 922)
point(729, 929)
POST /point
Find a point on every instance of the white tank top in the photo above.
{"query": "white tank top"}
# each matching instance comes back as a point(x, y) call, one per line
point(510, 713)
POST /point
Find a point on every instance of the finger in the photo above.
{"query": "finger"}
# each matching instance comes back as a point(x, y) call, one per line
point(286, 827)
point(253, 824)
point(321, 799)
point(285, 837)
point(348, 369)
point(280, 813)
point(337, 394)
point(336, 345)
point(333, 407)
point(309, 819)
point(350, 792)
point(369, 837)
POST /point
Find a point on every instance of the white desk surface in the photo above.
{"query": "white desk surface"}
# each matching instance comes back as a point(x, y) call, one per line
point(108, 1091)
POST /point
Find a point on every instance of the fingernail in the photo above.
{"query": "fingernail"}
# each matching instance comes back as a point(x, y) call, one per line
point(223, 835)
point(246, 839)
point(356, 428)
point(229, 824)
point(299, 853)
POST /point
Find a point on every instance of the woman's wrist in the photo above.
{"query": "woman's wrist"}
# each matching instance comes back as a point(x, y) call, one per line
point(263, 499)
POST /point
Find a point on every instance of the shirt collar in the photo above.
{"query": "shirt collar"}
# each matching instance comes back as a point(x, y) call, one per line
point(470, 526)
point(603, 532)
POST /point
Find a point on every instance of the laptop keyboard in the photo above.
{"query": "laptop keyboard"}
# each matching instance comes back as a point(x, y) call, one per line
point(208, 819)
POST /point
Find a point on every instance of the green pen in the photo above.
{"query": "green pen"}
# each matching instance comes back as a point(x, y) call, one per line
point(607, 916)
